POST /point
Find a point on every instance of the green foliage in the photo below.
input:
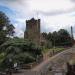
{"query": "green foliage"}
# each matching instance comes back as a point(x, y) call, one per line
point(44, 34)
point(6, 28)
point(60, 38)
point(24, 58)
point(20, 50)
point(2, 57)
point(64, 38)
point(55, 49)
point(49, 36)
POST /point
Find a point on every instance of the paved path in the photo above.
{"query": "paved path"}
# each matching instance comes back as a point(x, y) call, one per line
point(55, 62)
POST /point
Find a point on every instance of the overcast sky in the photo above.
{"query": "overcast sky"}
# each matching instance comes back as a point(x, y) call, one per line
point(54, 14)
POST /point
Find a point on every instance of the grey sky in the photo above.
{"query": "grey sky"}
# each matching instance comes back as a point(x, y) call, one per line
point(54, 14)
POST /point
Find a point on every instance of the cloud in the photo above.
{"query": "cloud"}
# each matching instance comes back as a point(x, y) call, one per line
point(72, 1)
point(54, 14)
point(20, 24)
point(14, 4)
point(43, 6)
point(19, 33)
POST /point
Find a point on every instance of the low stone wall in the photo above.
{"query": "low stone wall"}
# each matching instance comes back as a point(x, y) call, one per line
point(29, 66)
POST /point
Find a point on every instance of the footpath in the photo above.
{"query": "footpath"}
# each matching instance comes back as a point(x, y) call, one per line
point(55, 62)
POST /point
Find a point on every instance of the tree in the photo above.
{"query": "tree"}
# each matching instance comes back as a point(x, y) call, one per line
point(49, 36)
point(64, 37)
point(44, 34)
point(6, 28)
point(55, 38)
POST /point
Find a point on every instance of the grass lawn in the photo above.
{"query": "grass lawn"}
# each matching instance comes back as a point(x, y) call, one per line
point(55, 49)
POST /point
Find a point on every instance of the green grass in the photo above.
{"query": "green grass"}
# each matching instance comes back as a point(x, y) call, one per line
point(45, 50)
point(56, 49)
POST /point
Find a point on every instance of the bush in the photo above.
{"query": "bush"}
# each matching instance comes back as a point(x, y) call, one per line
point(20, 50)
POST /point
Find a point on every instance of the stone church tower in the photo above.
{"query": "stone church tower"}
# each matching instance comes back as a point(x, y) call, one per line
point(33, 30)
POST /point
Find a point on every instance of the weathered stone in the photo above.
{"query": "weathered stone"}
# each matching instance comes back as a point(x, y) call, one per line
point(33, 30)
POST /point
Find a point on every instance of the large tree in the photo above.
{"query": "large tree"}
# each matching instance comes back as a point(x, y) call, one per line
point(55, 38)
point(59, 38)
point(49, 36)
point(64, 37)
point(6, 28)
